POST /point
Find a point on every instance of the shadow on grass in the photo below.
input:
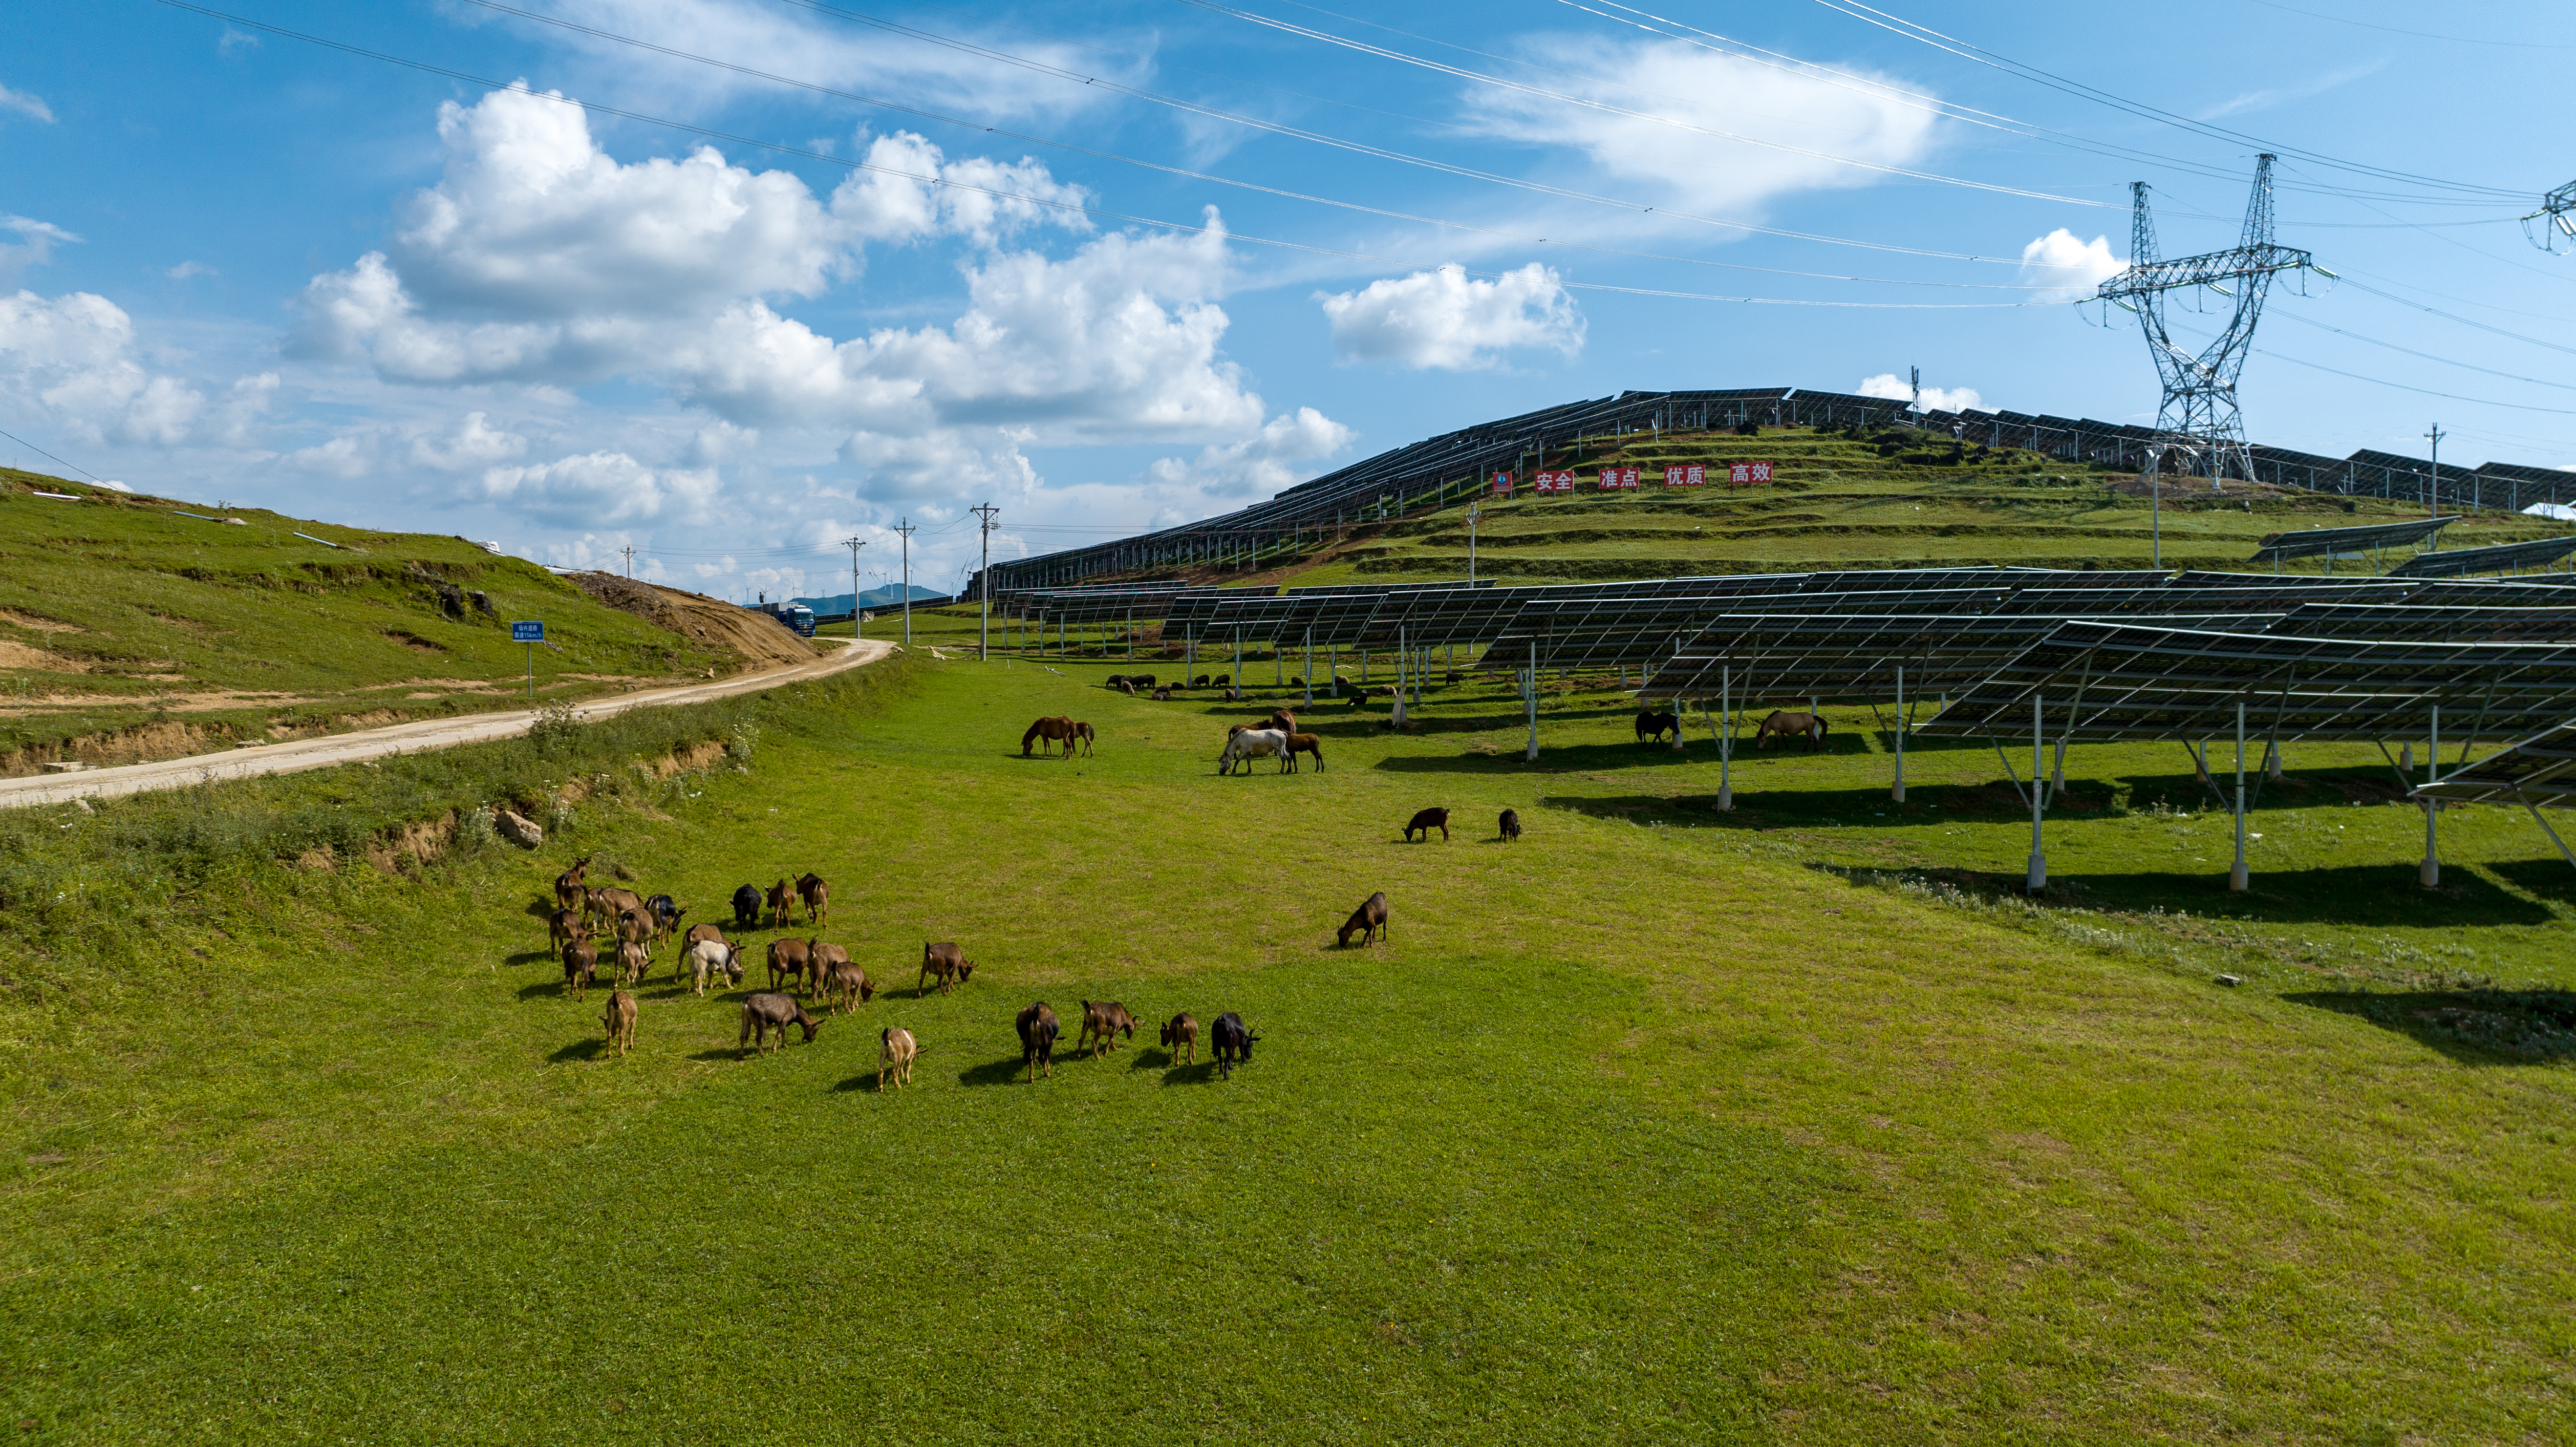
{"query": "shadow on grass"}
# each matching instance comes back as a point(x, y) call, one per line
point(1149, 1057)
point(993, 1072)
point(1199, 1074)
point(725, 1052)
point(543, 987)
point(866, 1080)
point(2474, 1027)
point(591, 1048)
point(2548, 877)
point(530, 957)
point(2383, 896)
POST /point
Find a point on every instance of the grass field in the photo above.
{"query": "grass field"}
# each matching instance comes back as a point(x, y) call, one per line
point(1840, 501)
point(1657, 1125)
point(130, 630)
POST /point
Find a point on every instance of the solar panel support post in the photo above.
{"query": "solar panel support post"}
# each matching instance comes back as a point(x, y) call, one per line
point(2430, 874)
point(1397, 718)
point(1725, 732)
point(1531, 695)
point(2038, 879)
point(2563, 851)
point(1310, 668)
point(2236, 879)
point(1897, 794)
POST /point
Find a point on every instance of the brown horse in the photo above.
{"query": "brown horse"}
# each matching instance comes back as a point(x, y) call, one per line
point(1047, 731)
point(1652, 726)
point(1082, 731)
point(1784, 723)
point(1305, 744)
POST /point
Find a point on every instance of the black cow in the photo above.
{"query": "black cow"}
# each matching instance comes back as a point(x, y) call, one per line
point(746, 907)
point(1038, 1029)
point(1233, 1043)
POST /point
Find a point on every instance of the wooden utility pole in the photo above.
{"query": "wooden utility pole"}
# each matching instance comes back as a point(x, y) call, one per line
point(984, 624)
point(905, 529)
point(854, 544)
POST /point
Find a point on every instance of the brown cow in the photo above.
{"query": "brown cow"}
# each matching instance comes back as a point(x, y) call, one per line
point(620, 1022)
point(791, 963)
point(763, 1013)
point(581, 966)
point(1102, 1023)
point(894, 1056)
point(779, 894)
point(1038, 1031)
point(941, 962)
point(1181, 1034)
point(1426, 821)
point(1369, 919)
point(817, 896)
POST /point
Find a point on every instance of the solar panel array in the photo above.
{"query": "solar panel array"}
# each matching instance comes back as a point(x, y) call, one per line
point(2461, 561)
point(2541, 770)
point(2344, 542)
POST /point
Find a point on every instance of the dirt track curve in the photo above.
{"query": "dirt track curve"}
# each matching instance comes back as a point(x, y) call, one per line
point(301, 754)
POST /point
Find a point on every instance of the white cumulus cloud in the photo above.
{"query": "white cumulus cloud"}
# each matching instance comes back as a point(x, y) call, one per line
point(31, 106)
point(71, 361)
point(34, 246)
point(1449, 320)
point(1264, 463)
point(474, 442)
point(1935, 399)
point(2068, 266)
point(603, 488)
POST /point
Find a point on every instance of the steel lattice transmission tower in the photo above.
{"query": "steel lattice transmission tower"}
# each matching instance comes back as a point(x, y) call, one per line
point(2199, 416)
point(2557, 218)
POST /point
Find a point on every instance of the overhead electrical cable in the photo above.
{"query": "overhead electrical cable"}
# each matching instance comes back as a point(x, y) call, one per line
point(2452, 317)
point(2427, 356)
point(1380, 211)
point(1967, 50)
point(2421, 391)
point(40, 452)
point(2417, 34)
point(1566, 98)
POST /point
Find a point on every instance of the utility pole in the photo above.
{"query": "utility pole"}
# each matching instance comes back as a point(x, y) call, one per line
point(2433, 489)
point(629, 550)
point(854, 544)
point(905, 529)
point(984, 624)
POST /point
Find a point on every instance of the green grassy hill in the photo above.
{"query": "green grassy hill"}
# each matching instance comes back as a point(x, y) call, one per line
point(1659, 1125)
point(1888, 499)
point(129, 630)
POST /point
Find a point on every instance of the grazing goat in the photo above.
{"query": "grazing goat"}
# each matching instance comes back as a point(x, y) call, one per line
point(562, 928)
point(1182, 1033)
point(607, 902)
point(779, 895)
point(942, 962)
point(1369, 919)
point(817, 896)
point(665, 914)
point(1038, 1030)
point(746, 907)
point(1233, 1043)
point(839, 977)
point(894, 1057)
point(635, 928)
point(1102, 1023)
point(708, 959)
point(620, 1022)
point(1511, 824)
point(1305, 744)
point(632, 961)
point(790, 961)
point(699, 932)
point(581, 966)
point(764, 1013)
point(1426, 821)
point(568, 885)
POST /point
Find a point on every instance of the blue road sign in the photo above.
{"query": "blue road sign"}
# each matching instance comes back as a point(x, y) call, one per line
point(527, 633)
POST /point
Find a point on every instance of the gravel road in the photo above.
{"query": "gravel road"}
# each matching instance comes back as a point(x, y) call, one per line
point(349, 748)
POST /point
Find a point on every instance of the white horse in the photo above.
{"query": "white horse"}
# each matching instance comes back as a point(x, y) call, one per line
point(1253, 744)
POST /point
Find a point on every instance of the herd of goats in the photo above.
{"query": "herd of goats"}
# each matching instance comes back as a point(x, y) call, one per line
point(826, 973)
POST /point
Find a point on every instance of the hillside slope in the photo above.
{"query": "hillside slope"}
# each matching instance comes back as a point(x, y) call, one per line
point(131, 630)
point(1889, 499)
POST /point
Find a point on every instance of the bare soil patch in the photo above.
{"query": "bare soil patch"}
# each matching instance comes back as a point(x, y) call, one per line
point(711, 622)
point(19, 655)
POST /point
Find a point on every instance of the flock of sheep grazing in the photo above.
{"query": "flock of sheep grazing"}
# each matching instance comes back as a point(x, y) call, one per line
point(823, 971)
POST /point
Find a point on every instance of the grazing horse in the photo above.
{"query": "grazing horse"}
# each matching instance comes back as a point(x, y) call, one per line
point(1652, 726)
point(1082, 731)
point(1252, 744)
point(1305, 744)
point(1048, 731)
point(1784, 724)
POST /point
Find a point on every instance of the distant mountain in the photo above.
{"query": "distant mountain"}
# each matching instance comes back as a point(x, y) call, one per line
point(889, 596)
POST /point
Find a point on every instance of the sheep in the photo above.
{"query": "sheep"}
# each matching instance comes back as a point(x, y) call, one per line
point(620, 1022)
point(1233, 1043)
point(1369, 919)
point(637, 928)
point(1182, 1033)
point(763, 1013)
point(894, 1056)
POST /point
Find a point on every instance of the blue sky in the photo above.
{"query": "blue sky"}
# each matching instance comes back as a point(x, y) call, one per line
point(239, 266)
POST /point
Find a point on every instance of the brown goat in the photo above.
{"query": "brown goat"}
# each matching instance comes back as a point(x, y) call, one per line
point(620, 1022)
point(838, 977)
point(1369, 919)
point(1182, 1033)
point(581, 966)
point(779, 895)
point(632, 961)
point(817, 896)
point(790, 962)
point(894, 1057)
point(562, 928)
point(1038, 1032)
point(568, 885)
point(607, 902)
point(942, 962)
point(763, 1013)
point(1102, 1023)
point(1427, 820)
point(699, 932)
point(636, 928)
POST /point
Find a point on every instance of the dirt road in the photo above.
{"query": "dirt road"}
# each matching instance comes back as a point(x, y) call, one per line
point(300, 754)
